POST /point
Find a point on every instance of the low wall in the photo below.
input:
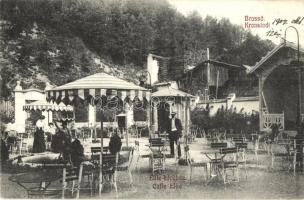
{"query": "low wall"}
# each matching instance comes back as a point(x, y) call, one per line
point(248, 104)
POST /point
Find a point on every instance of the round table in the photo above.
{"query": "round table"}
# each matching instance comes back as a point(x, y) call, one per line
point(214, 171)
point(42, 177)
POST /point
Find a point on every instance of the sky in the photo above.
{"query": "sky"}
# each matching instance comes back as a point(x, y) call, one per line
point(236, 10)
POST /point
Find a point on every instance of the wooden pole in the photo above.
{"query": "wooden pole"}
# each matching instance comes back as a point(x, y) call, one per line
point(217, 82)
point(186, 126)
point(100, 157)
point(208, 69)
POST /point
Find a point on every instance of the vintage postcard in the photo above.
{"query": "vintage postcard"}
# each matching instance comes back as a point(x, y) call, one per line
point(156, 99)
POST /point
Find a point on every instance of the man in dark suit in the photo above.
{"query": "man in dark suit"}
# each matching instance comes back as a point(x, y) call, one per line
point(175, 132)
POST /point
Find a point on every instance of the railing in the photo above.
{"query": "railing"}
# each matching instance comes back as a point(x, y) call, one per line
point(268, 119)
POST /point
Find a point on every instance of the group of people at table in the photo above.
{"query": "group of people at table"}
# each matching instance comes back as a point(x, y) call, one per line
point(56, 137)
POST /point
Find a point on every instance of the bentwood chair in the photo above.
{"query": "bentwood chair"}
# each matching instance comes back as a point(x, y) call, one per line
point(139, 155)
point(109, 171)
point(157, 157)
point(69, 180)
point(86, 169)
point(242, 155)
point(192, 164)
point(297, 152)
point(95, 153)
point(229, 163)
point(126, 167)
point(283, 155)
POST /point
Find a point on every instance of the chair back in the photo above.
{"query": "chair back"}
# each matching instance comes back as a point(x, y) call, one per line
point(69, 174)
point(298, 146)
point(241, 145)
point(238, 139)
point(218, 145)
point(109, 162)
point(230, 150)
point(156, 142)
point(95, 152)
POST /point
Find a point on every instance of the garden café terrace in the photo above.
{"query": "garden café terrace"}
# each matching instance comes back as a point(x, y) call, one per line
point(215, 162)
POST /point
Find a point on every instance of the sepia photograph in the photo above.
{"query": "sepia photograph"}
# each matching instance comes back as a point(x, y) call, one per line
point(152, 99)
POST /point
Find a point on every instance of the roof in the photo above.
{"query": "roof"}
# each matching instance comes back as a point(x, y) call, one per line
point(218, 63)
point(252, 98)
point(99, 81)
point(260, 63)
point(29, 90)
point(170, 92)
point(225, 65)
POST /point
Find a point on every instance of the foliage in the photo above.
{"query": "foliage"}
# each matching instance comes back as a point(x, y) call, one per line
point(58, 40)
point(229, 119)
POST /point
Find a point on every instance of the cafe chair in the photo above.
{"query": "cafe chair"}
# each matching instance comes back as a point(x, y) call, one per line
point(284, 156)
point(192, 164)
point(241, 155)
point(157, 157)
point(296, 152)
point(69, 180)
point(95, 153)
point(229, 163)
point(238, 139)
point(86, 169)
point(109, 171)
point(126, 166)
point(24, 143)
point(215, 162)
point(218, 145)
point(193, 134)
point(136, 149)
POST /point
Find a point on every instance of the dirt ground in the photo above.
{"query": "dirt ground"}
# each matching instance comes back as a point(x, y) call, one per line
point(262, 182)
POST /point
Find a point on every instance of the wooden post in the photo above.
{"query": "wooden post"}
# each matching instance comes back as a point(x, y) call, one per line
point(217, 82)
point(186, 126)
point(208, 69)
point(100, 157)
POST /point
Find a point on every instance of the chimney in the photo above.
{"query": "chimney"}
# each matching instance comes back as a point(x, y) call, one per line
point(153, 68)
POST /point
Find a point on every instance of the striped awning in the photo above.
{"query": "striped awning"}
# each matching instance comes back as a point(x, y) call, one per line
point(98, 88)
point(47, 106)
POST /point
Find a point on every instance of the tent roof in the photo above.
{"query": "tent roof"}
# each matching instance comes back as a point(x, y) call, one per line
point(99, 81)
point(170, 92)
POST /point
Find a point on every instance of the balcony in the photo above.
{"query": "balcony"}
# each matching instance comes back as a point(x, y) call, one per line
point(268, 119)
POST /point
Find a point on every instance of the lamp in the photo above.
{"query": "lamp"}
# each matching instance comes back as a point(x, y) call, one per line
point(142, 76)
point(298, 66)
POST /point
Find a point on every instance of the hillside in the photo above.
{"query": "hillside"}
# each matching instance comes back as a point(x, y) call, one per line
point(59, 41)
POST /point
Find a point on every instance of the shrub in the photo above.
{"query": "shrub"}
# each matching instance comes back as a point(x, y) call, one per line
point(228, 119)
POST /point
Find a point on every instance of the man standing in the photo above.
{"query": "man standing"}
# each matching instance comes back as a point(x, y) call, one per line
point(175, 132)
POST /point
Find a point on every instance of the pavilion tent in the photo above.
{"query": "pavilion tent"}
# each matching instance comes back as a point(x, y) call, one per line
point(96, 87)
point(171, 92)
point(100, 89)
point(43, 105)
point(182, 99)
